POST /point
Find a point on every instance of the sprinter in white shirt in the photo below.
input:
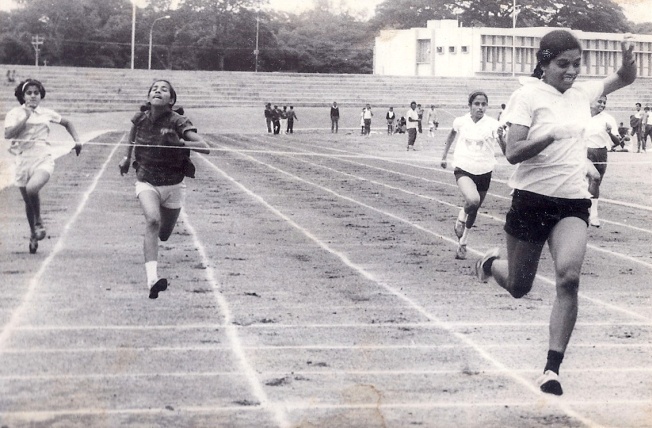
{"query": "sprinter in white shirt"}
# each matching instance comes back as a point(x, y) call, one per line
point(475, 135)
point(550, 201)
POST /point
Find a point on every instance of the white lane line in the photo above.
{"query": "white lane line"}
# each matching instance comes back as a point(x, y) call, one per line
point(39, 415)
point(395, 325)
point(303, 405)
point(442, 202)
point(310, 405)
point(119, 327)
point(324, 347)
point(526, 383)
point(17, 313)
point(446, 238)
point(442, 171)
point(232, 333)
point(326, 372)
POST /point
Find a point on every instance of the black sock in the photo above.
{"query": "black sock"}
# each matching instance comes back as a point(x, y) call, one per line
point(554, 361)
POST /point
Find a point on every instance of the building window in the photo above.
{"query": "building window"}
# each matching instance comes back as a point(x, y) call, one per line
point(464, 49)
point(423, 50)
point(451, 49)
point(440, 49)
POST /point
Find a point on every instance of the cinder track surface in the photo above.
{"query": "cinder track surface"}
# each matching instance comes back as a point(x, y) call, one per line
point(312, 283)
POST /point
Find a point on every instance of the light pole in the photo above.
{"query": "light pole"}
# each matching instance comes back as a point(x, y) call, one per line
point(149, 61)
point(37, 41)
point(133, 32)
point(256, 51)
point(514, 15)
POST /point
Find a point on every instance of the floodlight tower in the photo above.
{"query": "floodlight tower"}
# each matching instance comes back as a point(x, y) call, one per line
point(37, 41)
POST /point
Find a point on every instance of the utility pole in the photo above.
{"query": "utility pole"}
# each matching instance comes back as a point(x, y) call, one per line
point(515, 12)
point(257, 51)
point(37, 41)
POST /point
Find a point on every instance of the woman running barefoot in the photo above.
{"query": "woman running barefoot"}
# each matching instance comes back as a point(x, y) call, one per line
point(28, 126)
point(475, 135)
point(160, 170)
point(550, 201)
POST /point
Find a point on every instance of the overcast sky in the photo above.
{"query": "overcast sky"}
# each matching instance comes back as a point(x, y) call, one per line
point(635, 10)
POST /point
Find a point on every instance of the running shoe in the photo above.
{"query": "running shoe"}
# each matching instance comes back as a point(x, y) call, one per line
point(33, 244)
point(549, 383)
point(594, 221)
point(160, 285)
point(461, 252)
point(482, 268)
point(39, 232)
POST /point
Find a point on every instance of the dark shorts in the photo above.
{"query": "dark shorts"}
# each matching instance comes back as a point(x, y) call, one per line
point(532, 217)
point(599, 159)
point(481, 181)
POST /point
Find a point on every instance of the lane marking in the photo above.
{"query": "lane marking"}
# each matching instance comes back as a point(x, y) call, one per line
point(327, 372)
point(232, 334)
point(527, 384)
point(478, 253)
point(396, 325)
point(325, 347)
point(18, 312)
point(301, 405)
point(440, 170)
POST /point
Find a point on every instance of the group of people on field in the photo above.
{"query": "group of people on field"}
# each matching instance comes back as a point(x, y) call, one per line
point(548, 129)
point(641, 126)
point(277, 120)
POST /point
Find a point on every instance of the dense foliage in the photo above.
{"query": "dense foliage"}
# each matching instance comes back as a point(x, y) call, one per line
point(221, 34)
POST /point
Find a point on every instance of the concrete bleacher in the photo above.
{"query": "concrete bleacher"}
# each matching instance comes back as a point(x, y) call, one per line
point(79, 90)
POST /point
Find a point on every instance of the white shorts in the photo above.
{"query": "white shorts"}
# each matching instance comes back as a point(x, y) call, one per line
point(170, 197)
point(27, 165)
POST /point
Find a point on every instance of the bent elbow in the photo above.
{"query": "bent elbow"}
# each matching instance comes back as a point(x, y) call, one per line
point(512, 158)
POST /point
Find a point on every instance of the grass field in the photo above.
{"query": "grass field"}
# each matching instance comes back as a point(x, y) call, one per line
point(312, 284)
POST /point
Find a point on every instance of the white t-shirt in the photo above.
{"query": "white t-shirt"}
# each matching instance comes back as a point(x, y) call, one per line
point(596, 131)
point(475, 147)
point(414, 115)
point(559, 170)
point(432, 116)
point(36, 131)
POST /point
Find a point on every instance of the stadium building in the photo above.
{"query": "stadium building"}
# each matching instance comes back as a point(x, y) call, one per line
point(444, 48)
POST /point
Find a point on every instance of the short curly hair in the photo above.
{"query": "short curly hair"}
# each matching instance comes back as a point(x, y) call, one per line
point(22, 87)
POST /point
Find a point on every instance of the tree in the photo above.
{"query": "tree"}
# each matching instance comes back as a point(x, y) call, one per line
point(403, 14)
point(586, 15)
point(321, 42)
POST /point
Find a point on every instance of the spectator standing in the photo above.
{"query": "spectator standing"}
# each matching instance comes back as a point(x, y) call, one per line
point(412, 122)
point(391, 120)
point(646, 128)
point(635, 123)
point(420, 113)
point(335, 117)
point(292, 116)
point(367, 115)
point(433, 122)
point(268, 117)
point(276, 120)
point(284, 119)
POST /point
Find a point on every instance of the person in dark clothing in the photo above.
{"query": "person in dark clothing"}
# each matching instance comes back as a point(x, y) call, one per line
point(276, 120)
